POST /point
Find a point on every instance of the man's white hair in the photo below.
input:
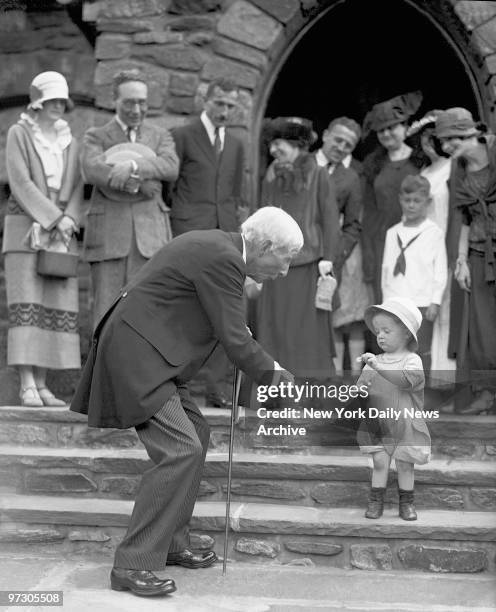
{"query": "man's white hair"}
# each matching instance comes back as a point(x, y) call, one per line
point(270, 223)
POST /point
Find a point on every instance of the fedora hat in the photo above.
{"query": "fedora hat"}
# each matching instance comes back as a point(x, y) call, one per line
point(404, 310)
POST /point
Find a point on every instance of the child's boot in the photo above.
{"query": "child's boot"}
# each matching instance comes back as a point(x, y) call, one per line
point(375, 506)
point(407, 507)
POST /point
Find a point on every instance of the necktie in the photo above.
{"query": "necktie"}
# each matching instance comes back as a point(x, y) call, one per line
point(331, 167)
point(131, 134)
point(217, 143)
point(400, 266)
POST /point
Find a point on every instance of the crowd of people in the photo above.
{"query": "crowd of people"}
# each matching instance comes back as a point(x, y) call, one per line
point(408, 235)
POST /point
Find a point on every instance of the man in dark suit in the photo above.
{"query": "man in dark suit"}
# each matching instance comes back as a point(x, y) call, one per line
point(128, 220)
point(150, 343)
point(208, 191)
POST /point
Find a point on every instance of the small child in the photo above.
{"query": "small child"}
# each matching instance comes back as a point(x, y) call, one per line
point(414, 263)
point(395, 380)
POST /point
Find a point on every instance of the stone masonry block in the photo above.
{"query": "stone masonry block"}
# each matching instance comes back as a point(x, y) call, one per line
point(132, 8)
point(340, 493)
point(246, 23)
point(30, 535)
point(186, 7)
point(443, 560)
point(183, 105)
point(58, 481)
point(313, 547)
point(485, 36)
point(122, 486)
point(112, 46)
point(183, 84)
point(260, 548)
point(371, 556)
point(268, 489)
point(88, 535)
point(200, 541)
point(475, 13)
point(484, 498)
point(206, 488)
point(239, 51)
point(161, 38)
point(241, 74)
point(282, 10)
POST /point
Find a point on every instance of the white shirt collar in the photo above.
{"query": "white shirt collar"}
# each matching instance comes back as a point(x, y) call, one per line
point(210, 127)
point(125, 127)
point(323, 161)
point(244, 248)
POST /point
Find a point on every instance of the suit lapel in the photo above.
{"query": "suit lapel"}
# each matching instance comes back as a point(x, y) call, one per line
point(115, 132)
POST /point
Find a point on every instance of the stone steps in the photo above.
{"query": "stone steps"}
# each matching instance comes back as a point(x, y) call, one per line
point(455, 436)
point(440, 541)
point(293, 480)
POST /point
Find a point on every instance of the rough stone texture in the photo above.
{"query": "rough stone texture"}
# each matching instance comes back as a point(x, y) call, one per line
point(244, 76)
point(261, 548)
point(491, 449)
point(87, 535)
point(340, 493)
point(192, 23)
point(112, 46)
point(282, 10)
point(115, 9)
point(484, 498)
point(184, 7)
point(460, 448)
point(304, 562)
point(179, 57)
point(183, 84)
point(371, 556)
point(271, 489)
point(443, 560)
point(439, 497)
point(200, 39)
point(475, 13)
point(163, 38)
point(29, 535)
point(184, 105)
point(485, 36)
point(24, 433)
point(312, 547)
point(56, 481)
point(100, 438)
point(246, 23)
point(126, 26)
point(21, 42)
point(238, 51)
point(10, 478)
point(206, 488)
point(200, 541)
point(120, 485)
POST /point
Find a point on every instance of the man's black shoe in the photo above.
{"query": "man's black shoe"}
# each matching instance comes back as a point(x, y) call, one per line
point(140, 582)
point(186, 558)
point(217, 400)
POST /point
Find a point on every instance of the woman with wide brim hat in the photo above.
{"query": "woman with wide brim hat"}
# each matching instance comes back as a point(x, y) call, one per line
point(44, 209)
point(384, 170)
point(421, 135)
point(289, 325)
point(472, 249)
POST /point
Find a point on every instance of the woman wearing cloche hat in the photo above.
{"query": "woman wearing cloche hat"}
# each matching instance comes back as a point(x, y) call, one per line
point(472, 247)
point(288, 323)
point(384, 170)
point(43, 212)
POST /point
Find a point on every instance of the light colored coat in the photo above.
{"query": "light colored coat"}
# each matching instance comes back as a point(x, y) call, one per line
point(112, 215)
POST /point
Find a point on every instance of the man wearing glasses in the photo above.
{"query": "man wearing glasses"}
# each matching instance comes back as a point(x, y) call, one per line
point(127, 221)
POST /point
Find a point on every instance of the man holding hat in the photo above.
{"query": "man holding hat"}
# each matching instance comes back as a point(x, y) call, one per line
point(127, 221)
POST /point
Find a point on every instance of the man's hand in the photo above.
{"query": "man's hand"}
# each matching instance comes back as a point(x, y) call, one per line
point(281, 375)
point(432, 312)
point(119, 175)
point(325, 267)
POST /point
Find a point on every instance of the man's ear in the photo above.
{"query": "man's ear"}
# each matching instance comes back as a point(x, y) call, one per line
point(265, 246)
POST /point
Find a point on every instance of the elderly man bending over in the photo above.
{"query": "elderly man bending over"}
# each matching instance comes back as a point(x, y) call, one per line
point(149, 344)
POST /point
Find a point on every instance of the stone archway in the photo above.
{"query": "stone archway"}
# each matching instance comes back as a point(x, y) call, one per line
point(468, 29)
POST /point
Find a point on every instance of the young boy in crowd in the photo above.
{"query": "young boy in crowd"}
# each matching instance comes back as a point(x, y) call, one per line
point(414, 263)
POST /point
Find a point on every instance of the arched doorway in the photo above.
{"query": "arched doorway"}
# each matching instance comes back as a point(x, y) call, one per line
point(359, 53)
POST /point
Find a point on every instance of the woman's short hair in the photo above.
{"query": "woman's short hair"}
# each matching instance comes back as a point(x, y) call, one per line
point(273, 224)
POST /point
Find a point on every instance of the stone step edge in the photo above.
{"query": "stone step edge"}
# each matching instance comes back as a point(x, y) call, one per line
point(215, 415)
point(252, 465)
point(259, 518)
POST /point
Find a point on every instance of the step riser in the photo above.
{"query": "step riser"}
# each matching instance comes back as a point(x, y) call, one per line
point(258, 547)
point(119, 479)
point(71, 435)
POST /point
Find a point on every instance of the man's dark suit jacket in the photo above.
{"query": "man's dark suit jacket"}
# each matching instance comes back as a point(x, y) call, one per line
point(162, 328)
point(349, 197)
point(208, 190)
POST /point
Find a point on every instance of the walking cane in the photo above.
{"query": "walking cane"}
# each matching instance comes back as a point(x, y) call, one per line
point(234, 420)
